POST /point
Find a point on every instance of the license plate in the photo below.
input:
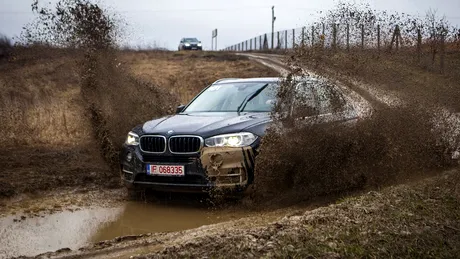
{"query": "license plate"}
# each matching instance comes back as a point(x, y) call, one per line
point(170, 170)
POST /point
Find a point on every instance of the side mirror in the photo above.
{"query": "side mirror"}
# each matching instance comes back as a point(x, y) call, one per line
point(180, 108)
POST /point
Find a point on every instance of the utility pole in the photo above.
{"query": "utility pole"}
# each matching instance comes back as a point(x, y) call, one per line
point(214, 36)
point(273, 26)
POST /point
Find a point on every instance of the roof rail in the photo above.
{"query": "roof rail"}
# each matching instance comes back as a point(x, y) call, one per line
point(224, 79)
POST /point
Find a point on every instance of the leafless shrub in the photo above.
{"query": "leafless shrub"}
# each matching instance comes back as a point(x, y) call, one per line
point(5, 46)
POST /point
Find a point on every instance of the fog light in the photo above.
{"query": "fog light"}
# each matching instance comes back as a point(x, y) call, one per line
point(129, 156)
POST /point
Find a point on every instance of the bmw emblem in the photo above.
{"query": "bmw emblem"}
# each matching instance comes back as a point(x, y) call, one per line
point(170, 132)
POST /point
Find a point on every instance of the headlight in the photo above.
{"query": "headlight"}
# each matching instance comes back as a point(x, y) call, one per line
point(132, 139)
point(187, 44)
point(231, 140)
point(199, 44)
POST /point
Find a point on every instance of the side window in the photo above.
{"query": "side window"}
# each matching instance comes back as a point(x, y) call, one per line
point(315, 97)
point(265, 101)
point(330, 100)
point(305, 103)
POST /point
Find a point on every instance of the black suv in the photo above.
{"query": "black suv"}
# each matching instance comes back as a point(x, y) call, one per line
point(190, 44)
point(214, 140)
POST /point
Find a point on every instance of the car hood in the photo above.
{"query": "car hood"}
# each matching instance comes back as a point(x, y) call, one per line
point(208, 124)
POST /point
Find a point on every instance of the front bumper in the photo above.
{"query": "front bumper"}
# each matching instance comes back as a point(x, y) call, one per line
point(192, 48)
point(228, 168)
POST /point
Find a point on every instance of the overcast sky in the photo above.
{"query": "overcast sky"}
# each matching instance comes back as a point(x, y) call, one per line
point(164, 22)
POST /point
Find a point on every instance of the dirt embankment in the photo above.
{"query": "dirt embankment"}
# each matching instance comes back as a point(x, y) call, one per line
point(58, 129)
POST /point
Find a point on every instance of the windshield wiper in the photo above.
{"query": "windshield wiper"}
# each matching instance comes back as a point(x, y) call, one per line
point(249, 98)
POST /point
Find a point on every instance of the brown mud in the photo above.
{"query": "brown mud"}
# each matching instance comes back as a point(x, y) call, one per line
point(75, 218)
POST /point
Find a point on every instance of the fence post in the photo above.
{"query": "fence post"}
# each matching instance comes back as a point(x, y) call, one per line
point(334, 36)
point(285, 39)
point(362, 36)
point(419, 45)
point(323, 36)
point(378, 38)
point(303, 36)
point(265, 42)
point(250, 46)
point(260, 42)
point(443, 51)
point(348, 37)
point(293, 38)
point(312, 35)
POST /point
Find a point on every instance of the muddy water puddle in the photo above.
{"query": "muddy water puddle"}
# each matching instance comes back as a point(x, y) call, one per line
point(74, 229)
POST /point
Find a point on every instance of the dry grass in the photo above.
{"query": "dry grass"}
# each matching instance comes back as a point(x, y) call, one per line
point(40, 100)
point(186, 73)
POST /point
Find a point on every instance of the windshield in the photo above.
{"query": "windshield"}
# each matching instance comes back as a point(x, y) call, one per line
point(227, 97)
point(191, 40)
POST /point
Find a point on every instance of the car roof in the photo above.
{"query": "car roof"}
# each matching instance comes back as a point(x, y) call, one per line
point(264, 80)
point(248, 80)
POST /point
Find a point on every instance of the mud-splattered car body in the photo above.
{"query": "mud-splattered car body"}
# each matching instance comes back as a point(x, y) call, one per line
point(207, 167)
point(197, 149)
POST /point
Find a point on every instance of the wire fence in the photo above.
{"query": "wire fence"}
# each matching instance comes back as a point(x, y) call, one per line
point(424, 43)
point(344, 36)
